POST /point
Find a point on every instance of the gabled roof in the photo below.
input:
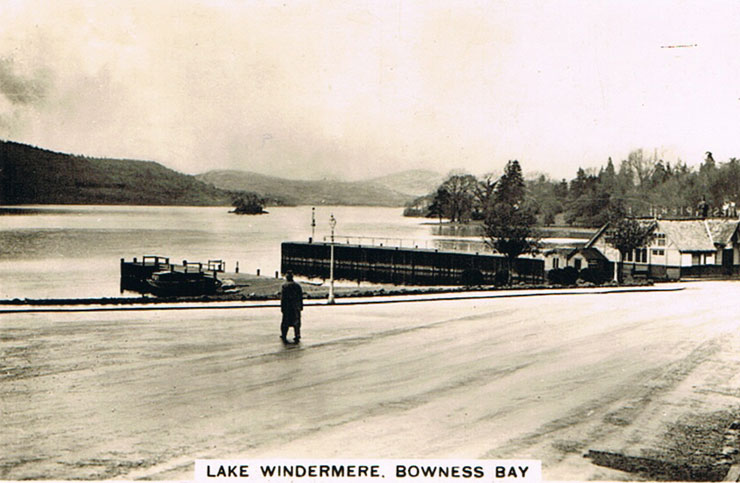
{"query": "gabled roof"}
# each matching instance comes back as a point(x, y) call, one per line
point(590, 254)
point(601, 231)
point(564, 251)
point(688, 235)
point(597, 235)
point(722, 229)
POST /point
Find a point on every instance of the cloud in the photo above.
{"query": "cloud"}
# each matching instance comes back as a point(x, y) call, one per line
point(324, 87)
point(20, 89)
point(21, 93)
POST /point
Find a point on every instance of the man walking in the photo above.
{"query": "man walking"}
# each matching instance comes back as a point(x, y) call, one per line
point(291, 304)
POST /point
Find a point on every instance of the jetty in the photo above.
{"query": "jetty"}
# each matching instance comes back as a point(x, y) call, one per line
point(403, 266)
point(157, 275)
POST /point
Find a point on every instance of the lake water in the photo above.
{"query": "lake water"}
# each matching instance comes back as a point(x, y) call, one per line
point(74, 251)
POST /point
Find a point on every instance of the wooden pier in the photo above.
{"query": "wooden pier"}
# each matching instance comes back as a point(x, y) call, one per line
point(402, 266)
point(139, 275)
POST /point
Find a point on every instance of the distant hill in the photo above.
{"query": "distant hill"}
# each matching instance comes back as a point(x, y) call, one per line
point(415, 182)
point(327, 192)
point(30, 175)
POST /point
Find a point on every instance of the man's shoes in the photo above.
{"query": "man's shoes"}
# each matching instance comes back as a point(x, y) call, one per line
point(284, 339)
point(296, 340)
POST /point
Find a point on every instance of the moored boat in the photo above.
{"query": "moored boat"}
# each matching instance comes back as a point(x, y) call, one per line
point(173, 283)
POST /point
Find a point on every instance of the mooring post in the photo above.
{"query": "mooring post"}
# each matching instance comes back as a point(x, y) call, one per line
point(276, 274)
point(258, 272)
point(236, 270)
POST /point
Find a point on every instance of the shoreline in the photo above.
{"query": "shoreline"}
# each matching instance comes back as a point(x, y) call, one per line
point(258, 288)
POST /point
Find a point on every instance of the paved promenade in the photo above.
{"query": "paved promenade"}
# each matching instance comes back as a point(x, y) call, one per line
point(140, 394)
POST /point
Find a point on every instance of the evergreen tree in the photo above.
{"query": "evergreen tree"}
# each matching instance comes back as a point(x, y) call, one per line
point(509, 224)
point(510, 230)
point(438, 205)
point(510, 187)
point(561, 191)
point(608, 178)
point(579, 185)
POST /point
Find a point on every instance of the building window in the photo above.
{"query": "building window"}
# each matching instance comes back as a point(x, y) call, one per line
point(658, 252)
point(640, 255)
point(660, 239)
point(629, 256)
point(577, 263)
point(695, 259)
point(555, 262)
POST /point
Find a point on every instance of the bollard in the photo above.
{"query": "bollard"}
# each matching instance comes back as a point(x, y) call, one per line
point(276, 274)
point(237, 267)
point(258, 272)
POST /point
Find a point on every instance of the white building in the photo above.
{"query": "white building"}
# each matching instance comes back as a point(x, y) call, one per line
point(681, 249)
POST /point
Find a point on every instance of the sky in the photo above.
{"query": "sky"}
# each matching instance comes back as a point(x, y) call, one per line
point(354, 89)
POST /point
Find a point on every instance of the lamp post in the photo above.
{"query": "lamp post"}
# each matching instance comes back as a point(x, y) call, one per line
point(313, 223)
point(332, 223)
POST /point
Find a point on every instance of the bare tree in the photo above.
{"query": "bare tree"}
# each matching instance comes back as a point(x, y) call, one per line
point(642, 166)
point(459, 202)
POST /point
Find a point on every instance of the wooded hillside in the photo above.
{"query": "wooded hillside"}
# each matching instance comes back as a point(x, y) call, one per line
point(30, 175)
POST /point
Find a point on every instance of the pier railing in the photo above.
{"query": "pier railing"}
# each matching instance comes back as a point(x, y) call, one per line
point(380, 241)
point(402, 266)
point(465, 245)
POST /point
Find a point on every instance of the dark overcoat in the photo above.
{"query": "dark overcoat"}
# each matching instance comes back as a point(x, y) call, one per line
point(291, 303)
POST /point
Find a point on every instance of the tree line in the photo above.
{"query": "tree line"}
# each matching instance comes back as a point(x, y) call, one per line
point(508, 218)
point(642, 185)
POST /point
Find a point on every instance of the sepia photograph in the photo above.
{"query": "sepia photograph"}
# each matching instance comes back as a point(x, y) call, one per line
point(411, 240)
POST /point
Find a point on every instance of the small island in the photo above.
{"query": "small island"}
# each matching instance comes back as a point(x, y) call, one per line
point(248, 204)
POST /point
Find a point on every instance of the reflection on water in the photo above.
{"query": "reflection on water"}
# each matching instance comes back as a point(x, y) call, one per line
point(455, 230)
point(468, 246)
point(75, 251)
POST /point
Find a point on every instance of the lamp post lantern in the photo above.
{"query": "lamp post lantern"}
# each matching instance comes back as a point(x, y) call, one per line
point(333, 224)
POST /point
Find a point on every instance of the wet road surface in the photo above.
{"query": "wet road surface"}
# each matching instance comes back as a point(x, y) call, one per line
point(143, 394)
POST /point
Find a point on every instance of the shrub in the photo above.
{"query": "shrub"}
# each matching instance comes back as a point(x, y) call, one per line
point(501, 278)
point(593, 275)
point(563, 276)
point(471, 276)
